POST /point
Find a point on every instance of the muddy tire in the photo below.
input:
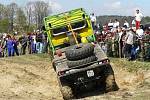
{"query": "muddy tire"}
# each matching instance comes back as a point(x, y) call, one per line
point(81, 62)
point(110, 83)
point(67, 92)
point(78, 53)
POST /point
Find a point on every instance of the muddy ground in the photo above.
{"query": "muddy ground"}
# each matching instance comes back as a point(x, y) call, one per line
point(31, 77)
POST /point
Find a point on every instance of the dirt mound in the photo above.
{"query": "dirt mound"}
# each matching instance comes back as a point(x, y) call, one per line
point(28, 78)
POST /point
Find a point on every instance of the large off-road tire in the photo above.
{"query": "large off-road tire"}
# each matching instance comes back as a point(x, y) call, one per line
point(81, 52)
point(110, 83)
point(67, 92)
point(81, 62)
point(53, 65)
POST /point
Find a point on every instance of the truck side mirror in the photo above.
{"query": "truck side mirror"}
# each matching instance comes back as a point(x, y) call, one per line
point(83, 16)
point(43, 28)
point(50, 25)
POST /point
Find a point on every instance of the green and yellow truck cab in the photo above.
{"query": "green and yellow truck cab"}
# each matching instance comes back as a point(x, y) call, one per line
point(59, 27)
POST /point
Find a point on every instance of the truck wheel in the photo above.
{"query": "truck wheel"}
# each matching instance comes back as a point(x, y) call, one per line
point(67, 92)
point(53, 64)
point(110, 80)
point(78, 53)
point(81, 62)
point(111, 84)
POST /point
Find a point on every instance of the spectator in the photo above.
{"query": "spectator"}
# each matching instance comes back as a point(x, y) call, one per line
point(104, 48)
point(33, 43)
point(23, 41)
point(138, 18)
point(116, 24)
point(45, 41)
point(133, 23)
point(3, 45)
point(128, 44)
point(108, 41)
point(135, 46)
point(100, 27)
point(0, 50)
point(116, 43)
point(126, 23)
point(110, 24)
point(120, 33)
point(39, 44)
point(93, 20)
point(147, 43)
point(29, 43)
point(140, 32)
point(15, 48)
point(9, 45)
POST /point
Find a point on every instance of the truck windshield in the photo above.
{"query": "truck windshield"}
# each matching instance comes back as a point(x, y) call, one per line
point(60, 30)
point(75, 26)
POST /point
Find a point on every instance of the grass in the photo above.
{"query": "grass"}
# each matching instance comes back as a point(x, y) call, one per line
point(131, 66)
point(27, 59)
point(43, 56)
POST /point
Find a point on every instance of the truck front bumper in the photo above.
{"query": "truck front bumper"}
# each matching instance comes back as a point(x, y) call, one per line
point(84, 75)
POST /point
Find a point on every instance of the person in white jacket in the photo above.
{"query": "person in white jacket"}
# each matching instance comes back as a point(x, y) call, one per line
point(93, 20)
point(126, 23)
point(116, 24)
point(128, 43)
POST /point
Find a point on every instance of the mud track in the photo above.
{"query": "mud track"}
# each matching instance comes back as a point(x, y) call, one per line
point(32, 77)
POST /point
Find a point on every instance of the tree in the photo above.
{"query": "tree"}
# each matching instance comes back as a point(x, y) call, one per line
point(40, 11)
point(146, 20)
point(4, 25)
point(11, 9)
point(2, 8)
point(4, 21)
point(20, 20)
point(35, 12)
point(29, 9)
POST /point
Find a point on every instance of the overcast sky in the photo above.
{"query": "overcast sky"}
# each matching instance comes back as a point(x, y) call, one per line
point(99, 7)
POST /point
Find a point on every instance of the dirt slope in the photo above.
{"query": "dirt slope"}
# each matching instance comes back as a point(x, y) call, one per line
point(28, 78)
point(31, 77)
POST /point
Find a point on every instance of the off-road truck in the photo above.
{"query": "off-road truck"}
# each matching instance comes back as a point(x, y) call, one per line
point(78, 60)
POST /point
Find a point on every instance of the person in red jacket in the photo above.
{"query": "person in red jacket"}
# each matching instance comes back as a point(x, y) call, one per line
point(138, 18)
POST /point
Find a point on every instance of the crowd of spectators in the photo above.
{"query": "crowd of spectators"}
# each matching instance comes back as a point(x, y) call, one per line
point(15, 45)
point(130, 41)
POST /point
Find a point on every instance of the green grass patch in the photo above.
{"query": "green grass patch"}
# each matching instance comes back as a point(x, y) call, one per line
point(27, 59)
point(41, 55)
point(131, 66)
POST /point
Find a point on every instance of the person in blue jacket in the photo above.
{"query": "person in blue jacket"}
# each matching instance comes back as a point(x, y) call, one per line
point(9, 45)
point(15, 48)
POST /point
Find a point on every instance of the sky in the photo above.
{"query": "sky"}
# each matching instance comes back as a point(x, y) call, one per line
point(99, 7)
